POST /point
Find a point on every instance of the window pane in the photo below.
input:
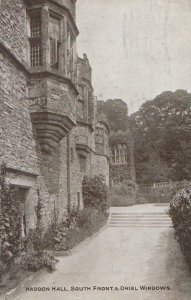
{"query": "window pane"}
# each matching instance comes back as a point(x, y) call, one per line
point(35, 53)
point(35, 25)
point(54, 52)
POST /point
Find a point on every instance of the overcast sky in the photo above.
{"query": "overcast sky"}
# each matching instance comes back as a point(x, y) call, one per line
point(137, 48)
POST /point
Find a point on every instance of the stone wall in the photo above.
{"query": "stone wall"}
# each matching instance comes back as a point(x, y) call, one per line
point(18, 144)
point(93, 164)
point(62, 200)
point(12, 26)
point(76, 175)
point(100, 166)
point(19, 148)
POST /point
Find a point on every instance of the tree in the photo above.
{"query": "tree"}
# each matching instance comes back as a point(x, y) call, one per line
point(116, 111)
point(162, 134)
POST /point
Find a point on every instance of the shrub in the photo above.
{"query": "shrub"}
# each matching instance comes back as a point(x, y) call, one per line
point(3, 269)
point(124, 193)
point(88, 222)
point(117, 200)
point(80, 223)
point(95, 193)
point(178, 186)
point(39, 260)
point(78, 226)
point(55, 237)
point(125, 188)
point(180, 212)
point(10, 221)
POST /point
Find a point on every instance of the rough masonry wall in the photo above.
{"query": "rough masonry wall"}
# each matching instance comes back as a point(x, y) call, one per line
point(13, 26)
point(18, 145)
point(63, 180)
point(99, 166)
point(17, 141)
point(93, 165)
point(19, 148)
point(76, 176)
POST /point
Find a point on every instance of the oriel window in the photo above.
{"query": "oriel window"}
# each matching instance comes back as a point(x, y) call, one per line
point(36, 25)
point(35, 40)
point(54, 37)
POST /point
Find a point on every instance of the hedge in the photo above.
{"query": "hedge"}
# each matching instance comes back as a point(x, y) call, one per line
point(180, 213)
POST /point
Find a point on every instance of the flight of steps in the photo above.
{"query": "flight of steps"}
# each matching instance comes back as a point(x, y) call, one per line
point(145, 219)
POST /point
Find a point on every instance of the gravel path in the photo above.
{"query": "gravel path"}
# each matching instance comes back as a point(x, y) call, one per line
point(135, 251)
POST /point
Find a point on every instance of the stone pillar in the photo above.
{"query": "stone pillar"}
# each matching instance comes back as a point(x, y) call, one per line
point(45, 37)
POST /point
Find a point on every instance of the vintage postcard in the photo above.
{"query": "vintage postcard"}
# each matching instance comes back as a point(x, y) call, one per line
point(95, 149)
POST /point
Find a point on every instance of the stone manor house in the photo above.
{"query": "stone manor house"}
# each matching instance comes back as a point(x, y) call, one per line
point(51, 133)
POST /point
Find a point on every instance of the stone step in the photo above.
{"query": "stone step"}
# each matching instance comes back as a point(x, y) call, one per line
point(141, 223)
point(140, 217)
point(131, 219)
point(138, 225)
point(144, 213)
point(139, 214)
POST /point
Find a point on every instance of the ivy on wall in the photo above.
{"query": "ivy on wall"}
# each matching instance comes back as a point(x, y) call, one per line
point(10, 221)
point(121, 136)
point(124, 171)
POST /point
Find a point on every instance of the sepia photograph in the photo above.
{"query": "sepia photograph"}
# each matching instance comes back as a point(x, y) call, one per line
point(95, 149)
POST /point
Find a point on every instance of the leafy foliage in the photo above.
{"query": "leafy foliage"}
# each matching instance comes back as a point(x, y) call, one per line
point(180, 212)
point(95, 193)
point(124, 193)
point(10, 221)
point(35, 240)
point(125, 188)
point(39, 260)
point(162, 134)
point(81, 223)
point(88, 222)
point(116, 111)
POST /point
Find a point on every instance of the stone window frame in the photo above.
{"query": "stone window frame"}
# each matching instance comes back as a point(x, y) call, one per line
point(70, 52)
point(55, 43)
point(119, 153)
point(35, 38)
point(54, 53)
point(99, 140)
point(35, 25)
